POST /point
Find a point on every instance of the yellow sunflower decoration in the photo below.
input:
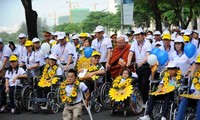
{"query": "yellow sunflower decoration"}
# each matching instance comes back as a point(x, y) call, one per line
point(83, 62)
point(73, 94)
point(48, 76)
point(167, 87)
point(196, 79)
point(191, 96)
point(121, 90)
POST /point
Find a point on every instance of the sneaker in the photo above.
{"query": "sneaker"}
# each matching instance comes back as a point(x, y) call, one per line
point(12, 110)
point(146, 117)
point(2, 109)
point(163, 118)
point(144, 106)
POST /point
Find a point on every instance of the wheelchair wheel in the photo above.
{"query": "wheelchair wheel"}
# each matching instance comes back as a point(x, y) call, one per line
point(58, 100)
point(136, 101)
point(104, 97)
point(157, 110)
point(25, 96)
point(97, 107)
point(54, 108)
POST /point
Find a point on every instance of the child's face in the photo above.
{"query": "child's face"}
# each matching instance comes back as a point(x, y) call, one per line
point(86, 43)
point(71, 78)
point(125, 74)
point(95, 59)
point(172, 71)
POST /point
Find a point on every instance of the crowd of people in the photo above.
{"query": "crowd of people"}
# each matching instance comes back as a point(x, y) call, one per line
point(111, 56)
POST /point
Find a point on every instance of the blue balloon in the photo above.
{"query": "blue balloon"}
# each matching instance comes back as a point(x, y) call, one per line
point(189, 50)
point(88, 52)
point(155, 51)
point(162, 57)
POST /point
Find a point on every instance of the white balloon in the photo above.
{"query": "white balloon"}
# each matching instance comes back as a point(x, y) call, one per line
point(45, 48)
point(152, 59)
point(1, 65)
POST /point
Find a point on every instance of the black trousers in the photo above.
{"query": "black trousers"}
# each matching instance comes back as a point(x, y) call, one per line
point(42, 92)
point(167, 97)
point(143, 73)
point(2, 96)
point(12, 94)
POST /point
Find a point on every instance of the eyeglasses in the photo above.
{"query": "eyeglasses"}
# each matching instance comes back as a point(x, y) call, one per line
point(96, 57)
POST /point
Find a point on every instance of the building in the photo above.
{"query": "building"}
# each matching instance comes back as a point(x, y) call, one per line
point(79, 14)
point(63, 19)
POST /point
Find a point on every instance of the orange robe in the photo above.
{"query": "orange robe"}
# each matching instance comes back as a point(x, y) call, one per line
point(116, 68)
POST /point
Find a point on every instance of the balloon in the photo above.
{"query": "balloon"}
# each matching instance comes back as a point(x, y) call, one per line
point(152, 59)
point(155, 51)
point(45, 48)
point(88, 52)
point(189, 50)
point(162, 57)
point(1, 65)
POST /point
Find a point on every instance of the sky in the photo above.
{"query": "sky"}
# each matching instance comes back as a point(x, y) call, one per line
point(12, 11)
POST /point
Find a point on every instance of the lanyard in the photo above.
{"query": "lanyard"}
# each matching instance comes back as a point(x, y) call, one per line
point(99, 45)
point(140, 47)
point(63, 49)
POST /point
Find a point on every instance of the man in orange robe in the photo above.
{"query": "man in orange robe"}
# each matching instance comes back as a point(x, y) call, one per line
point(119, 58)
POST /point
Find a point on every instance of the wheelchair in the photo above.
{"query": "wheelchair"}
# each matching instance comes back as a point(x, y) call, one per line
point(133, 103)
point(157, 110)
point(50, 103)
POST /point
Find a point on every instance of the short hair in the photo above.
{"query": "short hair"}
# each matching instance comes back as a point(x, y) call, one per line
point(72, 71)
point(129, 72)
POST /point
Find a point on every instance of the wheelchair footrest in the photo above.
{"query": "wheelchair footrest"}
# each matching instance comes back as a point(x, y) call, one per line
point(38, 99)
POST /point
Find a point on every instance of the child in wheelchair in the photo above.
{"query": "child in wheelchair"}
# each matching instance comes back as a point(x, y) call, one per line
point(71, 96)
point(165, 91)
point(12, 77)
point(193, 98)
point(121, 91)
point(46, 84)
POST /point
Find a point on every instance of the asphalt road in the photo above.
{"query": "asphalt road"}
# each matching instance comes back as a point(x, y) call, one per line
point(44, 115)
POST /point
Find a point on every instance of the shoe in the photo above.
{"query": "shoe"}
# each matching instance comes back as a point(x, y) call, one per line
point(146, 117)
point(13, 110)
point(163, 118)
point(2, 109)
point(144, 106)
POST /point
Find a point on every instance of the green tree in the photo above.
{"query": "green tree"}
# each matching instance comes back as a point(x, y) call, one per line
point(69, 27)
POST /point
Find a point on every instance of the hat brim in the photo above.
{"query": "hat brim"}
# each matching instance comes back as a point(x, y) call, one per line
point(96, 31)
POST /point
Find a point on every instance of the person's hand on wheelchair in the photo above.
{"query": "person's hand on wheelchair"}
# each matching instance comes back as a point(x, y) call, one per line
point(14, 79)
point(7, 89)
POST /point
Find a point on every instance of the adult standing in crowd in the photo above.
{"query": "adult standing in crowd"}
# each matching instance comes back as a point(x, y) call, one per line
point(141, 48)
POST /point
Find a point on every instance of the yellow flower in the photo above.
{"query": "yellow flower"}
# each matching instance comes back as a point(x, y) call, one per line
point(195, 80)
point(54, 80)
point(74, 94)
point(115, 85)
point(129, 80)
point(62, 85)
point(47, 65)
point(196, 74)
point(94, 68)
point(63, 98)
point(45, 69)
point(166, 74)
point(165, 78)
point(55, 67)
point(69, 100)
point(66, 81)
point(62, 91)
point(179, 72)
point(119, 86)
point(166, 83)
point(77, 82)
point(197, 86)
point(126, 84)
point(178, 77)
point(116, 80)
point(91, 69)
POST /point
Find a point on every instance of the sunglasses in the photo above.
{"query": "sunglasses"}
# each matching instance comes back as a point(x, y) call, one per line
point(96, 57)
point(13, 61)
point(21, 37)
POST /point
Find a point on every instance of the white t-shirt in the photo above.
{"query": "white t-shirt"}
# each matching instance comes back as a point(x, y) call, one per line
point(63, 51)
point(30, 60)
point(140, 52)
point(41, 57)
point(102, 47)
point(82, 87)
point(195, 42)
point(5, 53)
point(170, 51)
point(182, 61)
point(20, 51)
point(11, 75)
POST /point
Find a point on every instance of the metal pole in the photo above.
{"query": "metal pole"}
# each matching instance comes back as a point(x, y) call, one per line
point(122, 17)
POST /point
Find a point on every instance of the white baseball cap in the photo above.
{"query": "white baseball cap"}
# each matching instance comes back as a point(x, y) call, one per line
point(75, 37)
point(195, 31)
point(99, 29)
point(125, 38)
point(35, 40)
point(21, 35)
point(157, 33)
point(182, 31)
point(149, 37)
point(61, 35)
point(173, 36)
point(165, 32)
point(179, 39)
point(138, 31)
point(56, 33)
point(171, 64)
point(187, 32)
point(1, 40)
point(53, 56)
point(158, 43)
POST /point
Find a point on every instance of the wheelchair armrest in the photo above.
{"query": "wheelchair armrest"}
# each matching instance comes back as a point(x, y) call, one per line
point(154, 81)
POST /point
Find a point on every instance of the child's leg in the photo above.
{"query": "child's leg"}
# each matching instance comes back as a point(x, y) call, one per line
point(151, 104)
point(67, 113)
point(167, 98)
point(11, 97)
point(77, 112)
